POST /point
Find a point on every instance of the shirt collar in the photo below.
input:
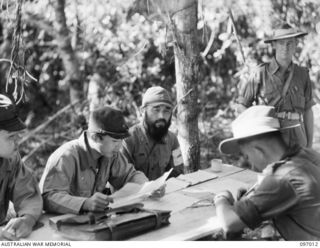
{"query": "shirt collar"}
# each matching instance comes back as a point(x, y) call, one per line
point(273, 66)
point(285, 157)
point(91, 153)
point(291, 152)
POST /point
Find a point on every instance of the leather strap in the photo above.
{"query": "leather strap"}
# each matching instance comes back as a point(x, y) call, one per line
point(284, 89)
point(289, 115)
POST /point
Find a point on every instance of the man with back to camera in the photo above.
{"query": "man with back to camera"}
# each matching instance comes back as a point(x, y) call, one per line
point(76, 174)
point(152, 148)
point(17, 183)
point(287, 194)
point(284, 85)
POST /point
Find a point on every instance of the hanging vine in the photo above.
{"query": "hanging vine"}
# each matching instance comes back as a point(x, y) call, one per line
point(16, 77)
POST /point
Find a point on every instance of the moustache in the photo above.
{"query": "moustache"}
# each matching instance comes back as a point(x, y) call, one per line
point(163, 121)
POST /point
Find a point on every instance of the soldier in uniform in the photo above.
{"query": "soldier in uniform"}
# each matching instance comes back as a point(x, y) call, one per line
point(284, 85)
point(288, 190)
point(152, 148)
point(17, 184)
point(77, 173)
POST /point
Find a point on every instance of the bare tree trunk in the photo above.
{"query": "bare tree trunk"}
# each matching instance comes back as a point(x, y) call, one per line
point(187, 66)
point(67, 53)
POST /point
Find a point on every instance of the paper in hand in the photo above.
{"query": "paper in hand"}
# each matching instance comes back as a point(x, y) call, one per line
point(145, 191)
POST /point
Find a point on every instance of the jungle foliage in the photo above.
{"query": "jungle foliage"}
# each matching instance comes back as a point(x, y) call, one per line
point(139, 49)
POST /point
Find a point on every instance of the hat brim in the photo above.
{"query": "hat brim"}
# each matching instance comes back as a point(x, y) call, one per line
point(231, 145)
point(120, 135)
point(13, 125)
point(295, 35)
point(111, 134)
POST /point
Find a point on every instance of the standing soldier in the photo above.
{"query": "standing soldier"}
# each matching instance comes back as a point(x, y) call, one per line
point(284, 85)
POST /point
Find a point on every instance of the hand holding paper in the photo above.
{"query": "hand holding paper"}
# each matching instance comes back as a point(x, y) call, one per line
point(131, 196)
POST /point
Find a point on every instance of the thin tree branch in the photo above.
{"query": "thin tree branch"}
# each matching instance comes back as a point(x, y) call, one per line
point(50, 119)
point(236, 35)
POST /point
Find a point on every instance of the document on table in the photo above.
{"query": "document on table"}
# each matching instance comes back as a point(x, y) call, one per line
point(128, 195)
point(197, 177)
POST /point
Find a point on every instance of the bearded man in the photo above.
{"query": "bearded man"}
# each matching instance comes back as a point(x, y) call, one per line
point(151, 147)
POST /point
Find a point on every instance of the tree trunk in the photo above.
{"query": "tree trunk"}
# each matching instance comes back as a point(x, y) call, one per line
point(186, 51)
point(67, 53)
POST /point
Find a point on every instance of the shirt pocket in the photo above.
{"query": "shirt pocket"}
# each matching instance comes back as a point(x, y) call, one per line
point(85, 183)
point(140, 160)
point(298, 100)
point(269, 93)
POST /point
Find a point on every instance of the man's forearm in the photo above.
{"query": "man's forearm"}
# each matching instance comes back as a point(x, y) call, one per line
point(63, 203)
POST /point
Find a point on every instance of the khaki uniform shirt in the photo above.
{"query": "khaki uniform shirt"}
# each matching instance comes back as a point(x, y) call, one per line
point(152, 158)
point(266, 84)
point(75, 172)
point(18, 185)
point(289, 195)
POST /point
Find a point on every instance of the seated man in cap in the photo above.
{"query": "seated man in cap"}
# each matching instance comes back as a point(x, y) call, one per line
point(17, 183)
point(152, 148)
point(288, 192)
point(76, 174)
point(284, 85)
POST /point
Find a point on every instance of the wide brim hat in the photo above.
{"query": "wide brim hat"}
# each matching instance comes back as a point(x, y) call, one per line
point(108, 121)
point(254, 121)
point(285, 32)
point(9, 119)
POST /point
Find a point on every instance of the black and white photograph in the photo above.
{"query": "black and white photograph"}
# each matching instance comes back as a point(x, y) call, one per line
point(123, 121)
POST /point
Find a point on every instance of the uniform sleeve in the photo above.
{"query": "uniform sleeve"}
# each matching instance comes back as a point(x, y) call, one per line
point(272, 198)
point(122, 172)
point(309, 101)
point(248, 89)
point(127, 149)
point(55, 185)
point(24, 191)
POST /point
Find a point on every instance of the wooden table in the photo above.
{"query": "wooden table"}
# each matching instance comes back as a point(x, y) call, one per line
point(187, 223)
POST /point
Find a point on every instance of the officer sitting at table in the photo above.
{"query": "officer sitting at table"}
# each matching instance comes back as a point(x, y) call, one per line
point(17, 183)
point(287, 194)
point(76, 174)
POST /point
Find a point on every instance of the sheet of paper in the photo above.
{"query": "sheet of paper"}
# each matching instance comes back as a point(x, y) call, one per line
point(174, 202)
point(197, 177)
point(127, 190)
point(131, 196)
point(199, 193)
point(149, 187)
point(174, 184)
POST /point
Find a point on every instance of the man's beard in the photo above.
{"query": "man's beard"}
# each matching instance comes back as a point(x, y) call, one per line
point(154, 131)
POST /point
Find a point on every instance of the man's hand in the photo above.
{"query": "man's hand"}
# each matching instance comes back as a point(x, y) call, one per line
point(159, 192)
point(97, 203)
point(224, 195)
point(241, 192)
point(18, 227)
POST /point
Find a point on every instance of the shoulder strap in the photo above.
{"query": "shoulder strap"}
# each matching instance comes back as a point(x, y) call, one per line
point(287, 84)
point(285, 88)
